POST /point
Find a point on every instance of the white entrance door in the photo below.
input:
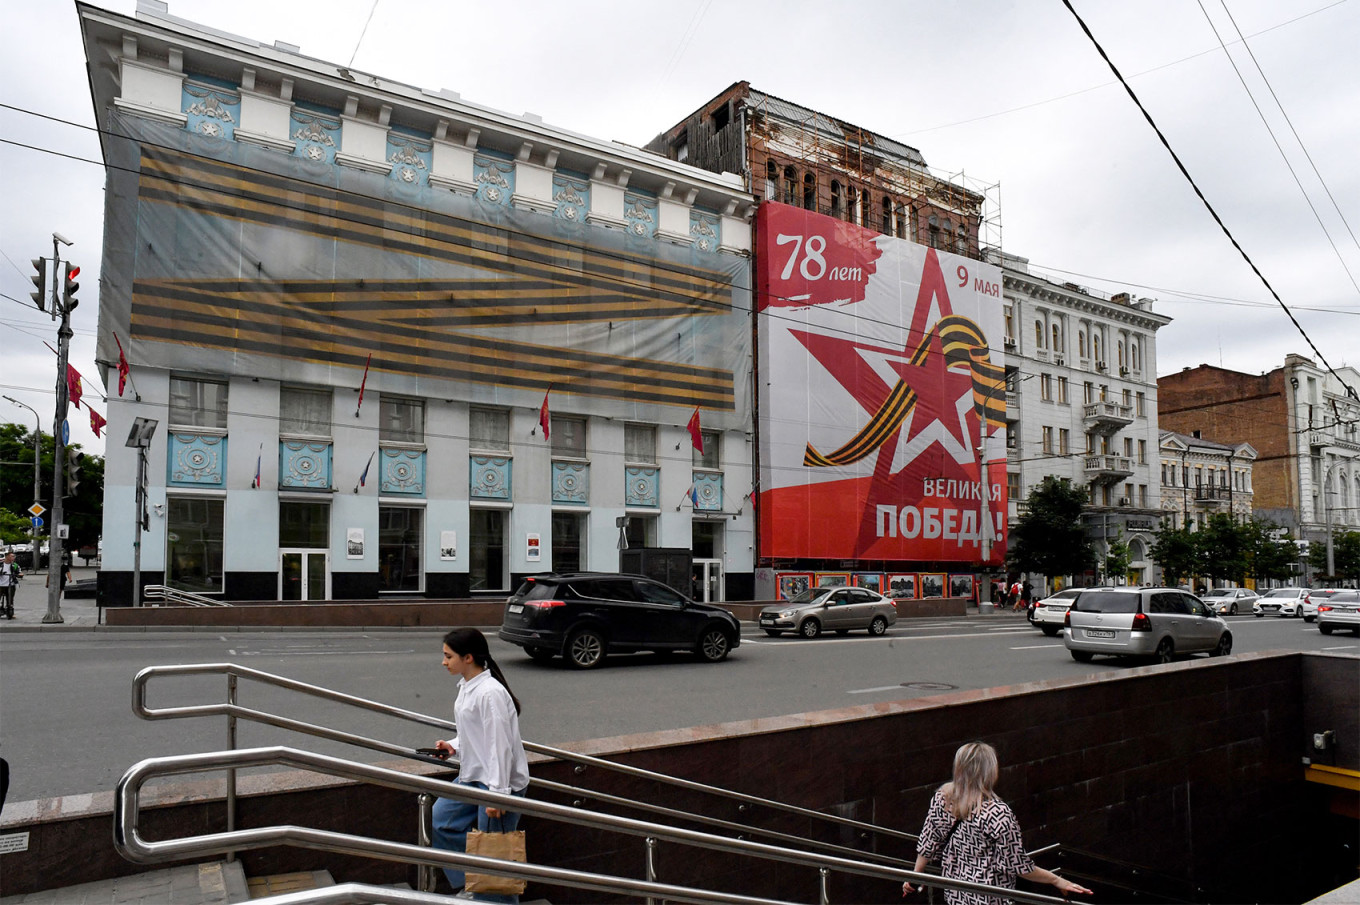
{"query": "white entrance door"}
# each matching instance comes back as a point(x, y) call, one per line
point(304, 575)
point(708, 580)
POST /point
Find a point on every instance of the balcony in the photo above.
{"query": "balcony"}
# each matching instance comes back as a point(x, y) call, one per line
point(1209, 493)
point(1108, 469)
point(1105, 418)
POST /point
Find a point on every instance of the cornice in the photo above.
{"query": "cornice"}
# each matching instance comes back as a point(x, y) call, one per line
point(1041, 290)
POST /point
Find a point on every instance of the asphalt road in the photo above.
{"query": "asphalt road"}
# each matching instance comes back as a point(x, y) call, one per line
point(66, 724)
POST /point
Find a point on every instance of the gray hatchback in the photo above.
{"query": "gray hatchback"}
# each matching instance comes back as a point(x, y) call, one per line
point(838, 609)
point(1143, 622)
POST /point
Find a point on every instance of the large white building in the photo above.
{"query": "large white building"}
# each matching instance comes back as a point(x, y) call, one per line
point(286, 236)
point(1081, 402)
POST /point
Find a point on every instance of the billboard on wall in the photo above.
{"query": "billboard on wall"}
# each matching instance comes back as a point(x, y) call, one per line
point(882, 395)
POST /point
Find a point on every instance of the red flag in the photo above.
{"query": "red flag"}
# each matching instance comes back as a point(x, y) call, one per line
point(97, 421)
point(123, 369)
point(696, 435)
point(73, 388)
point(363, 383)
point(543, 419)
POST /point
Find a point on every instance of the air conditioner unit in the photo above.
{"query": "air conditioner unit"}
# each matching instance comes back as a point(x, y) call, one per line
point(1123, 372)
point(1123, 501)
point(1100, 366)
point(1057, 359)
point(1010, 343)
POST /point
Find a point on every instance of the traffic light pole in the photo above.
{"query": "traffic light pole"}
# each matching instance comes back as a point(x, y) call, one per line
point(55, 561)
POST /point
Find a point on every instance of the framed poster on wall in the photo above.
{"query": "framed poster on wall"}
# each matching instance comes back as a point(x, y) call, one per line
point(791, 584)
point(932, 584)
point(871, 580)
point(902, 586)
point(963, 586)
point(833, 579)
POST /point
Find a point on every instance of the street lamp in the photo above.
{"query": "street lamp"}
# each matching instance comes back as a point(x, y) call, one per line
point(37, 474)
point(139, 438)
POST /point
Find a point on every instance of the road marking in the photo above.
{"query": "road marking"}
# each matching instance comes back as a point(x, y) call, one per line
point(317, 653)
point(1342, 647)
point(873, 690)
point(1037, 647)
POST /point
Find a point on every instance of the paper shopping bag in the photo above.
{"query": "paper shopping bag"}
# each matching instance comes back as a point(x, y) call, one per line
point(505, 846)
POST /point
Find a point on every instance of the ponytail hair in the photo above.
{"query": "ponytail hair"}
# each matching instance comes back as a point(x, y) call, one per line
point(470, 641)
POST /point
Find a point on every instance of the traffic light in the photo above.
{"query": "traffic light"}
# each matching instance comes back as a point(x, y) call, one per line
point(40, 280)
point(68, 292)
point(74, 460)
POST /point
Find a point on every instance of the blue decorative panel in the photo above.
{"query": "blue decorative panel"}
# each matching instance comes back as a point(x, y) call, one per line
point(403, 471)
point(706, 229)
point(641, 214)
point(305, 464)
point(495, 178)
point(490, 477)
point(197, 460)
point(316, 135)
point(708, 492)
point(210, 110)
point(640, 486)
point(410, 158)
point(571, 482)
point(572, 197)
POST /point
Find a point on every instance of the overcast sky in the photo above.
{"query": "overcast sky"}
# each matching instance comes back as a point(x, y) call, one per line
point(1010, 94)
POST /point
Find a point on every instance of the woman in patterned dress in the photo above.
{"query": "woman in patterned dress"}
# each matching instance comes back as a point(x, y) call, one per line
point(975, 835)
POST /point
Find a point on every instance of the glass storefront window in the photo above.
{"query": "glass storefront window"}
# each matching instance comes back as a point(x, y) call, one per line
point(304, 525)
point(399, 543)
point(193, 558)
point(486, 556)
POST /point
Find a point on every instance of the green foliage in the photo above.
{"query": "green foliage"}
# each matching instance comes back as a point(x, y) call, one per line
point(13, 528)
point(1267, 557)
point(1222, 546)
point(1117, 558)
point(1345, 556)
point(84, 511)
point(1177, 552)
point(1050, 538)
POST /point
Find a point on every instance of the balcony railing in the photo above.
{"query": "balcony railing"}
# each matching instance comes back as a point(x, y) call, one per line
point(1213, 493)
point(1106, 469)
point(1107, 417)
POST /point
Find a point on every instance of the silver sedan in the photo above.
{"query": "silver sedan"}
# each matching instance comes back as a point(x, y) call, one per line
point(838, 609)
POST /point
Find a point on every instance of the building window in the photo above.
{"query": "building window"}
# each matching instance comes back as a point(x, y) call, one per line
point(790, 190)
point(1128, 447)
point(809, 191)
point(641, 530)
point(1095, 347)
point(1063, 437)
point(1057, 339)
point(198, 403)
point(1128, 397)
point(901, 221)
point(1135, 355)
point(486, 549)
point(568, 437)
point(933, 231)
point(193, 553)
point(1090, 444)
point(1046, 387)
point(305, 525)
point(489, 429)
point(401, 420)
point(1104, 393)
point(886, 227)
point(865, 208)
point(1062, 390)
point(1081, 343)
point(710, 457)
point(837, 201)
point(1088, 392)
point(1048, 440)
point(305, 412)
point(1122, 362)
point(399, 543)
point(1010, 324)
point(1142, 405)
point(1013, 485)
point(567, 528)
point(771, 180)
point(1038, 335)
point(1142, 452)
point(639, 443)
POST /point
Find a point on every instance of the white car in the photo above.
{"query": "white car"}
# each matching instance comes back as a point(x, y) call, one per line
point(1282, 602)
point(1050, 612)
point(1227, 601)
point(1339, 612)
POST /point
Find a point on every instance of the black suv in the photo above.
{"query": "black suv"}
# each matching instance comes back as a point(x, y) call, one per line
point(584, 616)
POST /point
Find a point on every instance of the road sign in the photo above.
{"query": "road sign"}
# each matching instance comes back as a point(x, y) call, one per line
point(37, 522)
point(65, 433)
point(37, 509)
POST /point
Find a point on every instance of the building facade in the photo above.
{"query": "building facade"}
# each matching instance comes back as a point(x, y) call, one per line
point(1081, 403)
point(880, 411)
point(1201, 478)
point(1304, 422)
point(399, 343)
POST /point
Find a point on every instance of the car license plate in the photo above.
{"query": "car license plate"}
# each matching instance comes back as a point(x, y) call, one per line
point(516, 607)
point(1098, 633)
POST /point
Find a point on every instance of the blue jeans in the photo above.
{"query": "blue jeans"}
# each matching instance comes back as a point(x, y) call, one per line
point(451, 821)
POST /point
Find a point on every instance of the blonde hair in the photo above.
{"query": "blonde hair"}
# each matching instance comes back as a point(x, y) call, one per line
point(975, 773)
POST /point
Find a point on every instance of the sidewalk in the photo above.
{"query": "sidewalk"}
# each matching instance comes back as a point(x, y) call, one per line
point(30, 604)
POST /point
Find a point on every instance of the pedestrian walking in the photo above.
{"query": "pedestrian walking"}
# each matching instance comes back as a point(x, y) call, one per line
point(489, 748)
point(10, 573)
point(1015, 595)
point(975, 836)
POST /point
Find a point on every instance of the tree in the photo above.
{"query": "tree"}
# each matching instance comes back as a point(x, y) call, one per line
point(1117, 557)
point(1177, 552)
point(1222, 546)
point(1269, 555)
point(1345, 557)
point(1050, 538)
point(83, 510)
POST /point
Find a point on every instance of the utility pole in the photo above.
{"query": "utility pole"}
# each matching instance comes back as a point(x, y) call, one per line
point(37, 476)
point(63, 303)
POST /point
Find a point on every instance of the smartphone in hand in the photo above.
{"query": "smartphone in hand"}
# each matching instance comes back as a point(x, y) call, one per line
point(441, 753)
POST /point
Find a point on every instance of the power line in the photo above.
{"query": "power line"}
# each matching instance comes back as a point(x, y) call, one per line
point(1209, 207)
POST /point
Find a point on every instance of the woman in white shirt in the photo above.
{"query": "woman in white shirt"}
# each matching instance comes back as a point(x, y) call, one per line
point(488, 746)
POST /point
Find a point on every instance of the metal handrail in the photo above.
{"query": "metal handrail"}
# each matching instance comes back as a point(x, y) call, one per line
point(129, 843)
point(175, 595)
point(233, 711)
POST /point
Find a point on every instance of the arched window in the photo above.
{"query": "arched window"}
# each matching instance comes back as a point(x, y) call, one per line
point(886, 228)
point(790, 185)
point(809, 191)
point(1095, 345)
point(837, 202)
point(1057, 338)
point(1135, 355)
point(771, 180)
point(1038, 334)
point(933, 231)
point(1081, 343)
point(961, 239)
point(1119, 347)
point(901, 221)
point(866, 209)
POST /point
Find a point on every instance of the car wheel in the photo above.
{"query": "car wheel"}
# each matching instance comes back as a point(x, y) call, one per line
point(1309, 618)
point(1224, 646)
point(879, 626)
point(585, 648)
point(1325, 629)
point(1232, 611)
point(714, 644)
point(772, 633)
point(1298, 611)
point(810, 628)
point(1082, 656)
point(1049, 630)
point(1166, 651)
point(541, 654)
